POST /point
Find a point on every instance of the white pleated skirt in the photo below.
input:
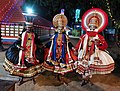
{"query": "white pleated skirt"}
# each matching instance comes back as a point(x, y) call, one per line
point(101, 62)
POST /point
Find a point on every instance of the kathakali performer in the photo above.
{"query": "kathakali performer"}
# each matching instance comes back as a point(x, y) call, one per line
point(59, 51)
point(25, 56)
point(92, 55)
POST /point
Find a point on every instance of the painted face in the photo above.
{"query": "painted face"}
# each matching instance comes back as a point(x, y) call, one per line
point(60, 23)
point(93, 24)
point(92, 27)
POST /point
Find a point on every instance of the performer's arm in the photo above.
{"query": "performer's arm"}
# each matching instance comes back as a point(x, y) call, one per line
point(102, 44)
point(78, 44)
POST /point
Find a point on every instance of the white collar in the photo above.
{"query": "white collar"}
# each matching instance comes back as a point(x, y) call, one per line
point(96, 30)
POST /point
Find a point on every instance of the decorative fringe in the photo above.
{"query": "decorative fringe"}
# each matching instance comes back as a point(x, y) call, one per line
point(59, 69)
point(29, 72)
point(96, 69)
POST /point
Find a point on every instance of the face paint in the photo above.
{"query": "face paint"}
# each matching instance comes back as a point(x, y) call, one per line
point(60, 23)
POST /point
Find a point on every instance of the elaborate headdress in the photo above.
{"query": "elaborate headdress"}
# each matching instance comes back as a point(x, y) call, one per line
point(93, 21)
point(61, 17)
point(95, 17)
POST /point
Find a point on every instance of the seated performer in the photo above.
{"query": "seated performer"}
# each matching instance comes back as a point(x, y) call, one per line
point(23, 57)
point(59, 56)
point(92, 57)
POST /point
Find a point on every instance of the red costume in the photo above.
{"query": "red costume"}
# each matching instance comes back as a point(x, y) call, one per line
point(21, 57)
point(92, 58)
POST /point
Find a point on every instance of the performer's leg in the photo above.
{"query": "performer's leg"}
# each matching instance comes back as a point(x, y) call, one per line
point(21, 81)
point(63, 80)
point(90, 82)
point(34, 81)
point(58, 77)
point(86, 81)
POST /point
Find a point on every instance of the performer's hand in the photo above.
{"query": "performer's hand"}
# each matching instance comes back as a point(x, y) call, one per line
point(75, 51)
point(96, 41)
point(48, 58)
point(22, 48)
point(73, 48)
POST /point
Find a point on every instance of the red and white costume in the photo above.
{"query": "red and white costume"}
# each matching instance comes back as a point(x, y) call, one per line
point(29, 46)
point(92, 55)
point(21, 57)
